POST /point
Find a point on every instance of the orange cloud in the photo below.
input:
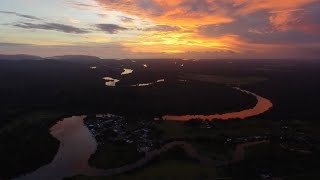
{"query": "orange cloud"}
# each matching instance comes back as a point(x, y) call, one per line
point(171, 12)
point(285, 20)
point(181, 42)
point(249, 22)
point(250, 6)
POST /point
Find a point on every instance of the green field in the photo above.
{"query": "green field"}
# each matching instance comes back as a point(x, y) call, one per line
point(228, 80)
point(272, 159)
point(172, 165)
point(234, 128)
point(114, 155)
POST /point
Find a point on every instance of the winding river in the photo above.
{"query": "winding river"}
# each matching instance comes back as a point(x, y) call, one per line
point(263, 105)
point(77, 144)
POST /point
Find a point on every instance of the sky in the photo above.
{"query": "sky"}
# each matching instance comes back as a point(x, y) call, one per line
point(201, 29)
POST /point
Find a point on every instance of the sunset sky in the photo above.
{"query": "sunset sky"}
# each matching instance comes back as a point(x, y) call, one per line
point(162, 28)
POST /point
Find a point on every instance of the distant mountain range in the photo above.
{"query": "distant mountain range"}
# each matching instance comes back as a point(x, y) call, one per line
point(19, 57)
point(74, 58)
point(69, 58)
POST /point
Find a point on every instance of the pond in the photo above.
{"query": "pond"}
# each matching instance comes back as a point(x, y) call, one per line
point(126, 71)
point(111, 82)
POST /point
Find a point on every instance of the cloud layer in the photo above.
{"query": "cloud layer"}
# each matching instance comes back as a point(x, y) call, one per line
point(20, 15)
point(185, 28)
point(110, 28)
point(52, 26)
point(232, 25)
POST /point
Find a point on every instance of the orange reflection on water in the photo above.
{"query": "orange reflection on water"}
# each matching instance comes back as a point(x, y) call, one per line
point(262, 106)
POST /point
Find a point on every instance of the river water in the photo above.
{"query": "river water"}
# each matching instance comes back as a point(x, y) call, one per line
point(76, 146)
point(111, 82)
point(263, 105)
point(126, 71)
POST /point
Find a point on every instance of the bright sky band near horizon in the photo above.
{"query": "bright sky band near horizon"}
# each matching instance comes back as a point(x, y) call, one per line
point(213, 29)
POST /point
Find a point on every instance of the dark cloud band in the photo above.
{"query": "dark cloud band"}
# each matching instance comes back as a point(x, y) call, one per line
point(20, 15)
point(110, 28)
point(52, 26)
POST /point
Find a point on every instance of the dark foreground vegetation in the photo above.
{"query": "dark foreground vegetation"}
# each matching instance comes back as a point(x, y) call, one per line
point(70, 87)
point(26, 143)
point(35, 94)
point(288, 150)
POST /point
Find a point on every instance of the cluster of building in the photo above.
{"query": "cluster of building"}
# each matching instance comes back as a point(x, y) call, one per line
point(246, 139)
point(296, 140)
point(112, 128)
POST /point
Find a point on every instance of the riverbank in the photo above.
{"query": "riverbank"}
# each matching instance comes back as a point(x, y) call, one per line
point(236, 147)
point(26, 143)
point(263, 105)
point(192, 146)
point(173, 162)
point(188, 152)
point(76, 146)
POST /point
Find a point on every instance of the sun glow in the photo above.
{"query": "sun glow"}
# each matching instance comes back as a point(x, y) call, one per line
point(140, 28)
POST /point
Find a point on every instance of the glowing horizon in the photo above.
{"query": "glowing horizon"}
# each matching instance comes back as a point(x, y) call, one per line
point(162, 28)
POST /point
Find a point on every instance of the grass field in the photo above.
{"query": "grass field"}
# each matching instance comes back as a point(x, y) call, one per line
point(249, 127)
point(272, 159)
point(214, 151)
point(114, 155)
point(172, 165)
point(223, 79)
point(165, 170)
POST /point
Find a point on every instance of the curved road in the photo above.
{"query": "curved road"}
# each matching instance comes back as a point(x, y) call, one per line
point(190, 151)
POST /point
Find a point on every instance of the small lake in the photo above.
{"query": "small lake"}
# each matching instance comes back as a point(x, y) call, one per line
point(76, 146)
point(111, 82)
point(126, 71)
point(263, 105)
